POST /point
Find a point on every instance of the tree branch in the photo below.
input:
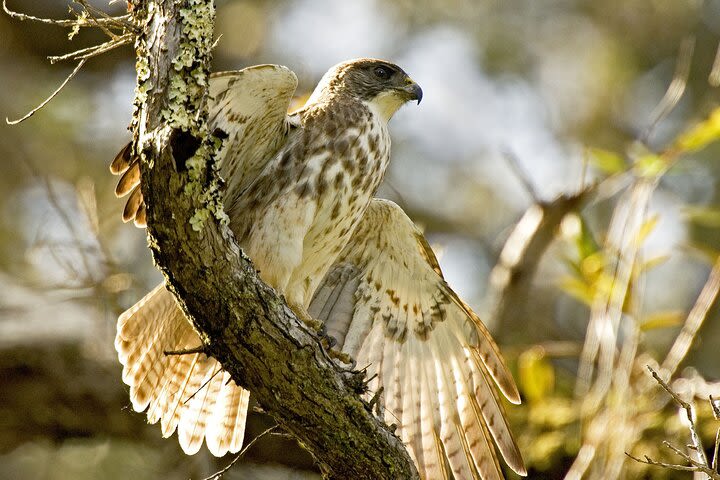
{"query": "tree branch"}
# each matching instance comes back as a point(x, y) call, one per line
point(243, 323)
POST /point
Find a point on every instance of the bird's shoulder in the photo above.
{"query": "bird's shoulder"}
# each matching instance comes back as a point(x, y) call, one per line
point(334, 111)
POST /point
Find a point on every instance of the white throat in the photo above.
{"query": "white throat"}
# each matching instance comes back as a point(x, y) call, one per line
point(384, 105)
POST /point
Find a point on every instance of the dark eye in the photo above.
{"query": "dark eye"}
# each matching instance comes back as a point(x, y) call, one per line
point(383, 72)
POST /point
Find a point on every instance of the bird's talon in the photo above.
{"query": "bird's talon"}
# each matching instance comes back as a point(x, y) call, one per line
point(346, 359)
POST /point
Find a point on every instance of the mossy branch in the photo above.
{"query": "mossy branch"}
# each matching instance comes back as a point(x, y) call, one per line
point(243, 323)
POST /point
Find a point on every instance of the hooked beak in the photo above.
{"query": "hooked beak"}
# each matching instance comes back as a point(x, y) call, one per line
point(413, 89)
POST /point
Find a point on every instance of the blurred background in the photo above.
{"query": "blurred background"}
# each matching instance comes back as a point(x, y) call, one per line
point(525, 101)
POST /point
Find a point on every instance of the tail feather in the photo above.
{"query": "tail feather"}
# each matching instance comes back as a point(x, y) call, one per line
point(128, 167)
point(122, 160)
point(129, 180)
point(227, 425)
point(187, 392)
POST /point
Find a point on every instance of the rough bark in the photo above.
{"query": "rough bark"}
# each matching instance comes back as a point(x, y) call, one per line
point(243, 322)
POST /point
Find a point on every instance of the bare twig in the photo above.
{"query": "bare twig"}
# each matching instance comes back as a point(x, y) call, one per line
point(676, 89)
point(714, 77)
point(522, 175)
point(89, 52)
point(715, 408)
point(102, 20)
point(121, 21)
point(47, 100)
point(697, 443)
point(205, 383)
point(220, 473)
point(88, 17)
point(700, 464)
point(685, 468)
point(694, 321)
point(186, 351)
point(682, 454)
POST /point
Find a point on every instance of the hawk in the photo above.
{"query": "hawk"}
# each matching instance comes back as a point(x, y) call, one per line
point(299, 195)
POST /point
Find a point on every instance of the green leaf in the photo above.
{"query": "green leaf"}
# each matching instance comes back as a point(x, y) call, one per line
point(703, 216)
point(606, 160)
point(577, 289)
point(665, 319)
point(646, 229)
point(653, 262)
point(537, 375)
point(650, 165)
point(700, 135)
point(586, 243)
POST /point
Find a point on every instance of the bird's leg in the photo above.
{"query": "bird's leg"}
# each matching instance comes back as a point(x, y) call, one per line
point(349, 362)
point(319, 327)
point(307, 319)
point(375, 403)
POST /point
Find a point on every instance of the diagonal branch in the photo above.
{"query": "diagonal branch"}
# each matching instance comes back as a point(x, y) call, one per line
point(244, 324)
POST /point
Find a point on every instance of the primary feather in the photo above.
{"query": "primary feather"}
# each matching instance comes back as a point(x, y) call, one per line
point(388, 306)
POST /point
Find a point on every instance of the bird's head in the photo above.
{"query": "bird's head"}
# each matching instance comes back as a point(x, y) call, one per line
point(382, 86)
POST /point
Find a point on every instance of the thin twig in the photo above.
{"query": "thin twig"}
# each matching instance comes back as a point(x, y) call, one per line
point(47, 100)
point(697, 443)
point(682, 454)
point(89, 52)
point(714, 77)
point(670, 392)
point(694, 321)
point(715, 408)
point(215, 374)
point(685, 468)
point(522, 175)
point(120, 21)
point(220, 473)
point(675, 90)
point(186, 351)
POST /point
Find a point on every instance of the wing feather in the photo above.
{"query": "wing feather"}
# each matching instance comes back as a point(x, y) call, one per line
point(187, 392)
point(226, 428)
point(250, 107)
point(430, 353)
point(433, 458)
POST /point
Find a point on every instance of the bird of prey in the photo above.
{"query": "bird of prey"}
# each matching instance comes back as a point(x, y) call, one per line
point(299, 195)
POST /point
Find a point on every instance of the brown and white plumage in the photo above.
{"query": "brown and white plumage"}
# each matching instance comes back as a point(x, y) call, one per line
point(299, 197)
point(296, 186)
point(169, 386)
point(386, 303)
point(250, 106)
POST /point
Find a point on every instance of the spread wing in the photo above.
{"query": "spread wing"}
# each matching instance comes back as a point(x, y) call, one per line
point(189, 392)
point(250, 107)
point(386, 303)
